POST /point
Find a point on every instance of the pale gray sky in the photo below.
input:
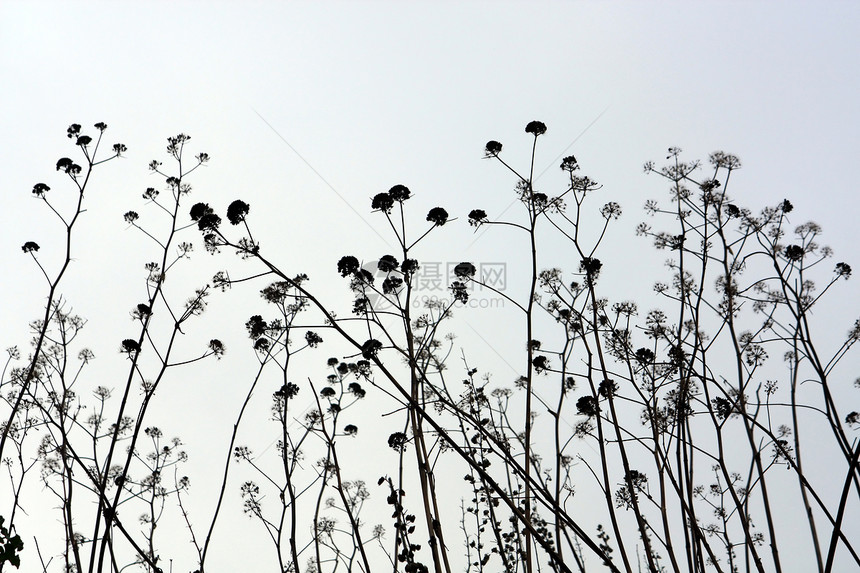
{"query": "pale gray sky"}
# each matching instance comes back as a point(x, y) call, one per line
point(377, 93)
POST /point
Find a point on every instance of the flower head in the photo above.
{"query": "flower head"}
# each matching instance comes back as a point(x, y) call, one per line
point(709, 185)
point(399, 193)
point(590, 266)
point(611, 210)
point(569, 163)
point(464, 270)
point(382, 202)
point(198, 210)
point(129, 346)
point(587, 406)
point(397, 441)
point(327, 392)
point(313, 339)
point(536, 128)
point(458, 289)
point(409, 266)
point(256, 326)
point(541, 363)
point(387, 263)
point(360, 305)
point(438, 216)
point(205, 216)
point(237, 211)
point(356, 390)
point(347, 265)
point(645, 355)
point(39, 189)
point(794, 252)
point(724, 160)
point(492, 149)
point(607, 388)
point(217, 347)
point(391, 285)
point(477, 217)
point(288, 390)
point(209, 222)
point(370, 348)
point(66, 165)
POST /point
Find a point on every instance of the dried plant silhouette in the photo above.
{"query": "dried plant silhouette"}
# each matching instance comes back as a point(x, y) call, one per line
point(688, 436)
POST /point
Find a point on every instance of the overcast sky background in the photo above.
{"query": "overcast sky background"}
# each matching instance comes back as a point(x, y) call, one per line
point(308, 109)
